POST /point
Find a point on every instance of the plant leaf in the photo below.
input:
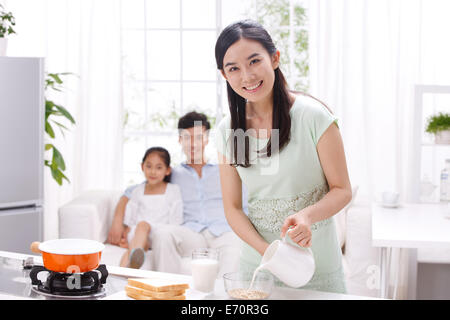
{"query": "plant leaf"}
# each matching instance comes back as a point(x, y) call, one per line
point(56, 174)
point(60, 125)
point(53, 81)
point(56, 77)
point(67, 73)
point(49, 108)
point(64, 177)
point(58, 159)
point(65, 113)
point(49, 129)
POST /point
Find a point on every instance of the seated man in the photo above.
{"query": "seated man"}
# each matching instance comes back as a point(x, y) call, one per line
point(205, 225)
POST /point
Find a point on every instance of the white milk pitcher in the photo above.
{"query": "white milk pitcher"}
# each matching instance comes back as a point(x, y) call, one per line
point(290, 263)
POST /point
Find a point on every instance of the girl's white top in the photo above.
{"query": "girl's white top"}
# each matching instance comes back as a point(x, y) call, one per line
point(155, 209)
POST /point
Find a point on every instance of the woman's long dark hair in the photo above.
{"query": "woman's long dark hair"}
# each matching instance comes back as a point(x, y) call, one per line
point(281, 119)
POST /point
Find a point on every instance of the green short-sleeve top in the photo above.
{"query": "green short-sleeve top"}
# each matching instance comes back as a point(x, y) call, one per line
point(296, 168)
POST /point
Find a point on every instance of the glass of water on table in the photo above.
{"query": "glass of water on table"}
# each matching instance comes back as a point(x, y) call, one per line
point(205, 268)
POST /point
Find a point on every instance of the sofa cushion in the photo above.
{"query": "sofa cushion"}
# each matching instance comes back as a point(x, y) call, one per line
point(89, 216)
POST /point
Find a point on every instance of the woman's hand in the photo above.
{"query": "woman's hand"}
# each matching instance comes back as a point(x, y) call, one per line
point(301, 232)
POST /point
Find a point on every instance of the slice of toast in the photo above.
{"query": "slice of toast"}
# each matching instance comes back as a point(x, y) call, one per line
point(142, 297)
point(157, 284)
point(154, 294)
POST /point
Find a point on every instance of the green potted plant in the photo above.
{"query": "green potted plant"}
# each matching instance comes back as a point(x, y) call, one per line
point(7, 22)
point(53, 112)
point(439, 125)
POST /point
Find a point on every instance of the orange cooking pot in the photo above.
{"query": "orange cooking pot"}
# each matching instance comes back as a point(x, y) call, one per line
point(69, 255)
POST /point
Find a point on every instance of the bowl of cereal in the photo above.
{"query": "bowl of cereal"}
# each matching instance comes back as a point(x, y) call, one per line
point(246, 286)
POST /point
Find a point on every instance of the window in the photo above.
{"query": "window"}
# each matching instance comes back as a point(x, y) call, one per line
point(286, 21)
point(169, 65)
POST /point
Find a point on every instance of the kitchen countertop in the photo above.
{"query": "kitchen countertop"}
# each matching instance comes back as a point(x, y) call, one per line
point(16, 284)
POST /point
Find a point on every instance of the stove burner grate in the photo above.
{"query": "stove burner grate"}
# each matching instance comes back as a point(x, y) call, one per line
point(70, 284)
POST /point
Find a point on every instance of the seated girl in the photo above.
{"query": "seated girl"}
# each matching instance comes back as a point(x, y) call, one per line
point(155, 203)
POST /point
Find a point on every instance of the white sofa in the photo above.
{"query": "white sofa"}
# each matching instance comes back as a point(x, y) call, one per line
point(89, 216)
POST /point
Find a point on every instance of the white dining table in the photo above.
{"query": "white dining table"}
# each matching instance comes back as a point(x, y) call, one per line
point(410, 226)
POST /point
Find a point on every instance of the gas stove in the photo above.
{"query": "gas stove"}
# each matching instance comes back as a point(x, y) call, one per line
point(69, 285)
point(25, 277)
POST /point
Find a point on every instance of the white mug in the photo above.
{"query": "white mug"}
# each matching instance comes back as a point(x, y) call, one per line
point(390, 198)
point(290, 263)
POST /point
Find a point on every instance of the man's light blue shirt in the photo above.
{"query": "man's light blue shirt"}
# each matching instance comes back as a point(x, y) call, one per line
point(202, 198)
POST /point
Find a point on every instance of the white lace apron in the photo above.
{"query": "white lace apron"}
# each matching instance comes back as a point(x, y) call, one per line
point(268, 216)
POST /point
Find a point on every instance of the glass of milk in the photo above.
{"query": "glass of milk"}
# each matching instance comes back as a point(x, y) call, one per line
point(205, 268)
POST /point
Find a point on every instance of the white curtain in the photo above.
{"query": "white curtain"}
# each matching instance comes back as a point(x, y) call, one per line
point(82, 37)
point(365, 58)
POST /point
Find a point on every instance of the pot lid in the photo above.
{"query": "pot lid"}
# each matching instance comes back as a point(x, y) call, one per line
point(71, 246)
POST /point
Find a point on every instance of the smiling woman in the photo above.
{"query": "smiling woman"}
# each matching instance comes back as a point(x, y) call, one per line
point(302, 184)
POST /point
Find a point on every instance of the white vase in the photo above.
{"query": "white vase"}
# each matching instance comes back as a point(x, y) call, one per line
point(3, 45)
point(442, 137)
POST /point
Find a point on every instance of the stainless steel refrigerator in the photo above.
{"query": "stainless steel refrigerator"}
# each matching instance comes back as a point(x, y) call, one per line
point(22, 107)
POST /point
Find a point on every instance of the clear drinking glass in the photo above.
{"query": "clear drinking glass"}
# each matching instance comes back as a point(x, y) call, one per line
point(205, 268)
